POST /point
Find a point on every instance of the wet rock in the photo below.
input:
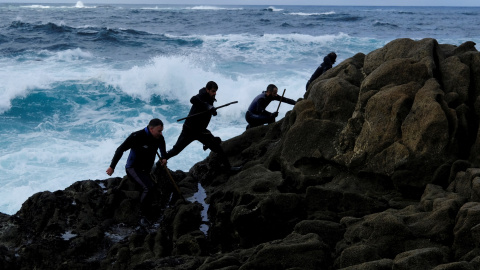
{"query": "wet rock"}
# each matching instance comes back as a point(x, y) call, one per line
point(455, 265)
point(300, 251)
point(330, 232)
point(426, 258)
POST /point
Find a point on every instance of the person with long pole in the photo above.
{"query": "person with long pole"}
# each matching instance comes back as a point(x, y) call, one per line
point(257, 114)
point(143, 145)
point(195, 126)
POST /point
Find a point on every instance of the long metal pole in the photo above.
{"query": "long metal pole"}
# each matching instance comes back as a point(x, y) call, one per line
point(216, 108)
point(171, 179)
point(281, 99)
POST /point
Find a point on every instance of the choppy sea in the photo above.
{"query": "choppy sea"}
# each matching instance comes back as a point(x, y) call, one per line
point(77, 79)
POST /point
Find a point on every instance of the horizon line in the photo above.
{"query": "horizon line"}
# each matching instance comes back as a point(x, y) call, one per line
point(200, 4)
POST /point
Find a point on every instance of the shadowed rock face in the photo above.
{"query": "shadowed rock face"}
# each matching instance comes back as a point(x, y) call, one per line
point(375, 168)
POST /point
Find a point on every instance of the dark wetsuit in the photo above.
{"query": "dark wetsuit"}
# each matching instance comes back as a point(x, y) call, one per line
point(257, 115)
point(326, 65)
point(195, 128)
point(143, 148)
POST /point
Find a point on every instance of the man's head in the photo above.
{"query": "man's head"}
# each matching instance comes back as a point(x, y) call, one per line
point(271, 90)
point(212, 88)
point(332, 56)
point(155, 126)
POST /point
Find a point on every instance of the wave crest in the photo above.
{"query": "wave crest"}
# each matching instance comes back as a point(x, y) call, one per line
point(79, 4)
point(273, 9)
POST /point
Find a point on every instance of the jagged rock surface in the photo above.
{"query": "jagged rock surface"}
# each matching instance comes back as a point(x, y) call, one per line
point(375, 168)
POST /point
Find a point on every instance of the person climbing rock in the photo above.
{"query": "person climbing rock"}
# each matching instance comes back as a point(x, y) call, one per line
point(257, 114)
point(143, 145)
point(328, 61)
point(195, 126)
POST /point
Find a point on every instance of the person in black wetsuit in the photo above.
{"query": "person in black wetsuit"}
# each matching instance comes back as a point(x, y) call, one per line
point(143, 145)
point(195, 127)
point(328, 61)
point(257, 114)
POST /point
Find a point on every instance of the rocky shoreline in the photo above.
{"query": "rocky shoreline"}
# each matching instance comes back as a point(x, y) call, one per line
point(377, 167)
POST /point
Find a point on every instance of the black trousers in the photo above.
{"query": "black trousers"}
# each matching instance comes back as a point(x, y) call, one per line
point(143, 179)
point(187, 136)
point(255, 120)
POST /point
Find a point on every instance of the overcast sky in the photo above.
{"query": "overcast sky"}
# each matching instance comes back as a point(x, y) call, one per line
point(273, 3)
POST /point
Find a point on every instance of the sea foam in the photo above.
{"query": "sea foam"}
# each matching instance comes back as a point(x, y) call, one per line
point(100, 119)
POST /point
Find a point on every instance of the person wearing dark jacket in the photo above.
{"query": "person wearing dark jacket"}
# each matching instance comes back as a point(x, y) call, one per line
point(257, 114)
point(328, 61)
point(143, 145)
point(195, 125)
